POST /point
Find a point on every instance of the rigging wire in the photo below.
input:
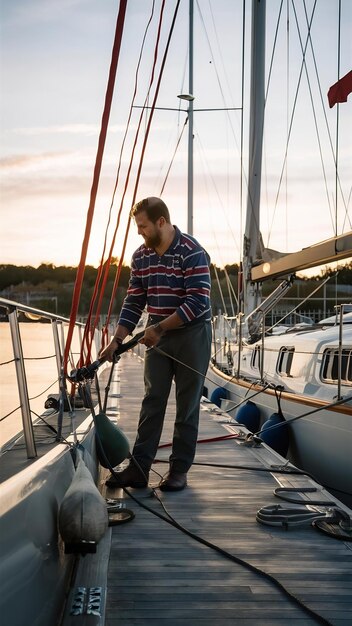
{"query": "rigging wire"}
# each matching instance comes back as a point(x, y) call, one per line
point(40, 394)
point(291, 121)
point(213, 58)
point(273, 50)
point(202, 155)
point(307, 414)
point(220, 289)
point(231, 291)
point(327, 124)
point(173, 157)
point(303, 301)
point(309, 40)
point(181, 90)
point(312, 103)
point(11, 413)
point(10, 361)
point(228, 117)
point(37, 358)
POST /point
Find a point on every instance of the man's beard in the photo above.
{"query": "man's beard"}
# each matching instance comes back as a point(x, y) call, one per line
point(153, 241)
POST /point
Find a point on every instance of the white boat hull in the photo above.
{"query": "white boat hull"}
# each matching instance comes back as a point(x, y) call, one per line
point(34, 568)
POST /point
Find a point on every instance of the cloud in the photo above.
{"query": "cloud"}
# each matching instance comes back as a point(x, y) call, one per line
point(87, 130)
point(20, 161)
point(41, 10)
point(67, 129)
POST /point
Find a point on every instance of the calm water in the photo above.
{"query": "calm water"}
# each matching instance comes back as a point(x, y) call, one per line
point(37, 342)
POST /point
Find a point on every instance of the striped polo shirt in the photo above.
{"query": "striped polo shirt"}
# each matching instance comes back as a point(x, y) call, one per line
point(179, 280)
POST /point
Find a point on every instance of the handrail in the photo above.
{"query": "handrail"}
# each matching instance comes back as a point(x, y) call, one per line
point(13, 308)
point(18, 306)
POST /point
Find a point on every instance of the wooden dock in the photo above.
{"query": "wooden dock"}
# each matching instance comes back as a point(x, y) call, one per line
point(158, 575)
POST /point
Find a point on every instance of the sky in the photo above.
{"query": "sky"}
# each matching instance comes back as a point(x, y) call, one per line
point(55, 57)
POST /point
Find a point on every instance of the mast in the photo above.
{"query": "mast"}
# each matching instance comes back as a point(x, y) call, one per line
point(190, 125)
point(251, 244)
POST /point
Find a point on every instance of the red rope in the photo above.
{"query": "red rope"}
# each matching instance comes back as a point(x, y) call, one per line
point(211, 440)
point(104, 267)
point(96, 176)
point(146, 136)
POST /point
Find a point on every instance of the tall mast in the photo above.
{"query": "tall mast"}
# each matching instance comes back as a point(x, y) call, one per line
point(251, 243)
point(190, 125)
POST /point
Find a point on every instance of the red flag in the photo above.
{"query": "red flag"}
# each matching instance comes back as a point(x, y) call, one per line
point(341, 89)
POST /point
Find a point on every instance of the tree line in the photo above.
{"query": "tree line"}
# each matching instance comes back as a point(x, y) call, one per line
point(50, 287)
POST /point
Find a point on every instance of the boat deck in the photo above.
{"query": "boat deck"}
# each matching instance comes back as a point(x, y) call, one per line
point(159, 575)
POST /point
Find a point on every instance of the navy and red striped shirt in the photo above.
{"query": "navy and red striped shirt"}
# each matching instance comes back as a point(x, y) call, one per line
point(178, 281)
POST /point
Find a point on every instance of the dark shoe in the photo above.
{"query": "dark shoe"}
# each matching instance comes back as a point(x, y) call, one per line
point(131, 476)
point(173, 481)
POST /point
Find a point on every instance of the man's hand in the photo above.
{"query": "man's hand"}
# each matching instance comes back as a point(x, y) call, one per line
point(107, 354)
point(152, 335)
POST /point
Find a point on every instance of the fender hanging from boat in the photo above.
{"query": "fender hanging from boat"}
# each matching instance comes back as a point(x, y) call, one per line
point(275, 433)
point(112, 445)
point(219, 393)
point(249, 415)
point(83, 516)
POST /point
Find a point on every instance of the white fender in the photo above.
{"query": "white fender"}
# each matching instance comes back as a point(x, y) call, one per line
point(83, 516)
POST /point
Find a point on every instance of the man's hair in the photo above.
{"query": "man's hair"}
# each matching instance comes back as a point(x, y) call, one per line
point(153, 207)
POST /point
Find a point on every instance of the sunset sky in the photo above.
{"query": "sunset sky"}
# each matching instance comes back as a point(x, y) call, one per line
point(55, 57)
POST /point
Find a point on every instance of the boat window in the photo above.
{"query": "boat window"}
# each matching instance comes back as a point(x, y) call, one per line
point(284, 361)
point(255, 363)
point(330, 365)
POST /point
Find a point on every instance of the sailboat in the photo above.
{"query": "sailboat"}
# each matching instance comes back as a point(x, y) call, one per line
point(48, 484)
point(295, 383)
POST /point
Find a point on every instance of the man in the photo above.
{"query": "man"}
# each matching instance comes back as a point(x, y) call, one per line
point(170, 276)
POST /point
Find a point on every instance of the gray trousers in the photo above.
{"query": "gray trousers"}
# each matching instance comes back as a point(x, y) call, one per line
point(190, 345)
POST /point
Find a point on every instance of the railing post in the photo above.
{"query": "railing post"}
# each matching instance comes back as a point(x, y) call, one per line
point(22, 385)
point(339, 359)
point(239, 341)
point(262, 349)
point(60, 372)
point(58, 354)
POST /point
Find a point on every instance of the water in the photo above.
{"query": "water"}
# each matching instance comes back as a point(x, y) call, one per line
point(41, 373)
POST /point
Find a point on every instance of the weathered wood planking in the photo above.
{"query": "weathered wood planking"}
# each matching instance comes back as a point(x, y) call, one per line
point(158, 575)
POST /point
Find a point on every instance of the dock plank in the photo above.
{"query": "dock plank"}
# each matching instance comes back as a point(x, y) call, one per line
point(158, 575)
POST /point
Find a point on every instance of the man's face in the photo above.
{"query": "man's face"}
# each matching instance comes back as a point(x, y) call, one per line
point(150, 232)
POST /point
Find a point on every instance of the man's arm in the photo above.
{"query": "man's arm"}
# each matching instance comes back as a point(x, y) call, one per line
point(197, 285)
